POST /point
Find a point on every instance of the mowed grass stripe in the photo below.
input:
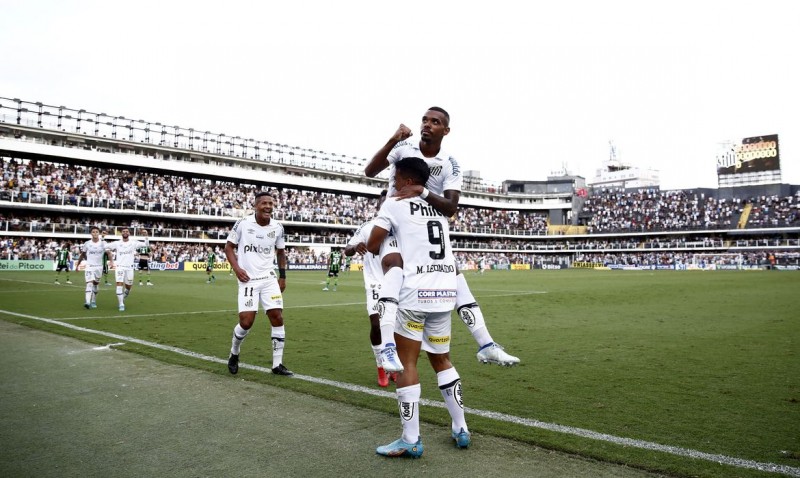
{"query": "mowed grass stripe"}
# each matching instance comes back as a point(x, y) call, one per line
point(700, 360)
point(736, 462)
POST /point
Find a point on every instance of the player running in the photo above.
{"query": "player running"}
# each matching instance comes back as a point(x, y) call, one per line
point(93, 252)
point(125, 251)
point(334, 264)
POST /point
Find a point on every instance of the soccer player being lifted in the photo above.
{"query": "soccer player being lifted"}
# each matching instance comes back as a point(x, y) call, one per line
point(442, 191)
point(427, 297)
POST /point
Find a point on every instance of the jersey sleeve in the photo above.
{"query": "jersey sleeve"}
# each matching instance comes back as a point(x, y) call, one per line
point(280, 242)
point(358, 236)
point(453, 179)
point(233, 235)
point(398, 152)
point(384, 217)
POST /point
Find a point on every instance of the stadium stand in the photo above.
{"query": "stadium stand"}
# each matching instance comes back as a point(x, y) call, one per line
point(63, 170)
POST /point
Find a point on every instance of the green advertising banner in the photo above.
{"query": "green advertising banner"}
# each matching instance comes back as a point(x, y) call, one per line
point(27, 265)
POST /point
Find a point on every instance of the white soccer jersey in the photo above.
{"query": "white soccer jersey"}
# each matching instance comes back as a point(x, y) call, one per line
point(373, 271)
point(445, 171)
point(256, 245)
point(429, 268)
point(94, 253)
point(125, 252)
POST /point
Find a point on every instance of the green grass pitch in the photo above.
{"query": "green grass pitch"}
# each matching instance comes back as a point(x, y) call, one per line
point(701, 360)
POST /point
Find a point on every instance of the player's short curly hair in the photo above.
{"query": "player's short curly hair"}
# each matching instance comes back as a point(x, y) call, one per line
point(414, 168)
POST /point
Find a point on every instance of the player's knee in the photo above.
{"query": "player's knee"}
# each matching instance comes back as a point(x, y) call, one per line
point(275, 317)
point(392, 260)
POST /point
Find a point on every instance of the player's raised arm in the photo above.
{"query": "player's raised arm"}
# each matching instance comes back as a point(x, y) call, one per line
point(380, 160)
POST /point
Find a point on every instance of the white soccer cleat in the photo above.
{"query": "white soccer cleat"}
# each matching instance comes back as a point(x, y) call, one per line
point(389, 359)
point(494, 353)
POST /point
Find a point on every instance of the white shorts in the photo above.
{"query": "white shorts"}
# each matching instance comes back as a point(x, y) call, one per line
point(389, 246)
point(92, 274)
point(430, 328)
point(373, 294)
point(123, 275)
point(266, 292)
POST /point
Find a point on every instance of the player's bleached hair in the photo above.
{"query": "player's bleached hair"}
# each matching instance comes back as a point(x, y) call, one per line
point(442, 111)
point(415, 168)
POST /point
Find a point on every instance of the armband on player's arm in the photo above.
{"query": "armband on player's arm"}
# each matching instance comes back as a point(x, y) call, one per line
point(281, 273)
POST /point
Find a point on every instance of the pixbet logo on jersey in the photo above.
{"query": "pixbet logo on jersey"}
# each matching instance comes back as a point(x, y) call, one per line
point(256, 248)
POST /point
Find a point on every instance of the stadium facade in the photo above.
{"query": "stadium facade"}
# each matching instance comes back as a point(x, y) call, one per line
point(518, 224)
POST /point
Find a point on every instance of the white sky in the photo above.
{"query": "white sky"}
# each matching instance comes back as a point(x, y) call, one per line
point(530, 86)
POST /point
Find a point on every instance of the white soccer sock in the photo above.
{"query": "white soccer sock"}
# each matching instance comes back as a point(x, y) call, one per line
point(94, 292)
point(376, 350)
point(450, 386)
point(89, 292)
point(470, 312)
point(390, 293)
point(120, 296)
point(278, 341)
point(238, 336)
point(408, 401)
point(388, 308)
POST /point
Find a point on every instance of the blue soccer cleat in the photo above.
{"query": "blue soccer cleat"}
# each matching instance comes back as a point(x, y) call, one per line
point(401, 448)
point(462, 438)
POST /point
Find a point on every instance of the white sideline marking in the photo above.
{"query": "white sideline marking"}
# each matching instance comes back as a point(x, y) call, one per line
point(108, 347)
point(581, 432)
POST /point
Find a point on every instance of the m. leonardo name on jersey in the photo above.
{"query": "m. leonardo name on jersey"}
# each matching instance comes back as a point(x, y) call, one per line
point(446, 268)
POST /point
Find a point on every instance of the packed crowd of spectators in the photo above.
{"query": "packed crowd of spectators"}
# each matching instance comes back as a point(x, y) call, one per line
point(648, 210)
point(75, 185)
point(45, 249)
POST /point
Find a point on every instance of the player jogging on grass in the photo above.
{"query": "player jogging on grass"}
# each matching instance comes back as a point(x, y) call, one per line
point(93, 252)
point(62, 262)
point(125, 256)
point(145, 253)
point(211, 259)
point(334, 264)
